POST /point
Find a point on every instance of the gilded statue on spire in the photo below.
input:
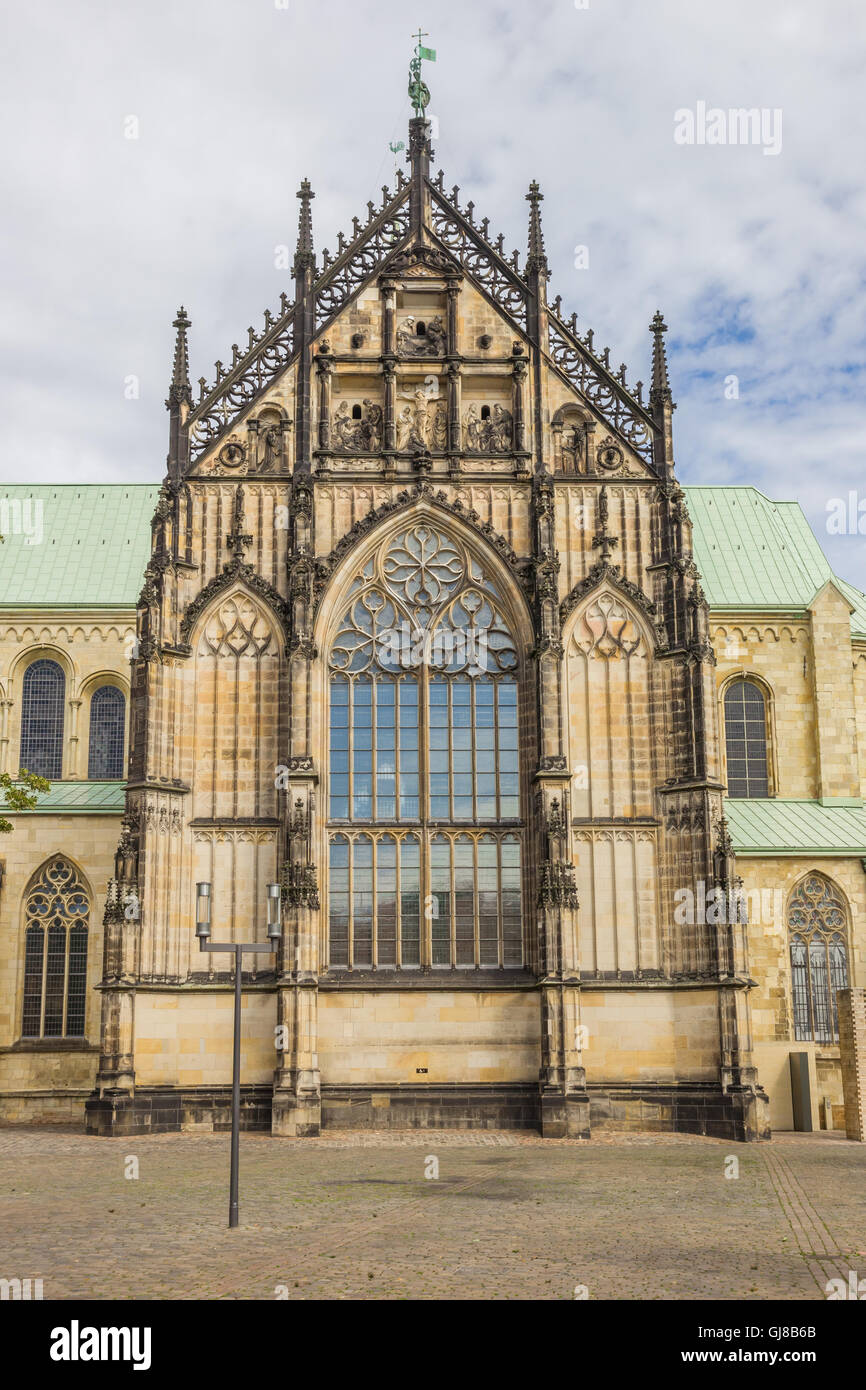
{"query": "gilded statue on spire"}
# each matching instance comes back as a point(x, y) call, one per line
point(419, 92)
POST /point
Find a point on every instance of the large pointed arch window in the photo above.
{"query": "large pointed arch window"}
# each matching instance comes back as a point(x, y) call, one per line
point(746, 740)
point(42, 719)
point(819, 958)
point(424, 786)
point(56, 912)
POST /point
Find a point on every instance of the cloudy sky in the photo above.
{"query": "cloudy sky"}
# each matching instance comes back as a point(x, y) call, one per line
point(757, 260)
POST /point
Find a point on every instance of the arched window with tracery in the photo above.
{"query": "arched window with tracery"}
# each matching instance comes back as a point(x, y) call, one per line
point(746, 739)
point(817, 924)
point(42, 719)
point(56, 912)
point(424, 789)
point(107, 719)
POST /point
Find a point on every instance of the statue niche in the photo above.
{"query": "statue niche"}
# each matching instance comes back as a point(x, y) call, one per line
point(569, 440)
point(423, 424)
point(270, 441)
point(357, 428)
point(488, 430)
point(421, 337)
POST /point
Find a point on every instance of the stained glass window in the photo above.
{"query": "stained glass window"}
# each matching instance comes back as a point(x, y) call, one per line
point(819, 958)
point(423, 726)
point(42, 719)
point(746, 740)
point(107, 717)
point(56, 913)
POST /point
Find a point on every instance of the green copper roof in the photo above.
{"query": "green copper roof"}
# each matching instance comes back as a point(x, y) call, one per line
point(756, 554)
point(90, 544)
point(795, 827)
point(90, 798)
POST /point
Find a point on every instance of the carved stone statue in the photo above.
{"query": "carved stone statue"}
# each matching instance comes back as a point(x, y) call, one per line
point(371, 426)
point(419, 433)
point(472, 427)
point(343, 426)
point(436, 336)
point(572, 448)
point(500, 431)
point(439, 428)
point(270, 448)
point(405, 425)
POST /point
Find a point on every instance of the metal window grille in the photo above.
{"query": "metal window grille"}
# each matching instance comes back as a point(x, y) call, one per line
point(746, 740)
point(107, 718)
point(42, 719)
point(819, 959)
point(56, 911)
point(424, 746)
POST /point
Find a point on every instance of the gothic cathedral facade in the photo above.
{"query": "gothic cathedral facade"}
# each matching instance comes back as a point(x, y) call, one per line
point(422, 638)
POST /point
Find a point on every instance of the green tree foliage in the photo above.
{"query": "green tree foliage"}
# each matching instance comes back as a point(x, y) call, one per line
point(19, 794)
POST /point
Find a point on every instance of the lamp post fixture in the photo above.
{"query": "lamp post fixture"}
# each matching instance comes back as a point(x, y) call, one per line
point(238, 949)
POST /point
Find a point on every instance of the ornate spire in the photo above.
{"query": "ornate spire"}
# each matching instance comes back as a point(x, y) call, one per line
point(660, 393)
point(180, 389)
point(536, 261)
point(304, 255)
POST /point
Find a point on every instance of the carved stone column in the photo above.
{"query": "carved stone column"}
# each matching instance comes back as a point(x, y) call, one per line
point(389, 382)
point(562, 1081)
point(324, 370)
point(73, 770)
point(589, 445)
point(389, 311)
point(5, 741)
point(454, 393)
point(296, 1103)
point(453, 291)
point(518, 386)
point(297, 1097)
point(110, 1109)
point(562, 1077)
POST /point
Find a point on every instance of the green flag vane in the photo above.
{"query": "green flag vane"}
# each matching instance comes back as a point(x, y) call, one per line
point(419, 93)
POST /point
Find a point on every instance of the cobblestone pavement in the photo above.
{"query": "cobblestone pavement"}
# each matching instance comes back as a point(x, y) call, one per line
point(353, 1215)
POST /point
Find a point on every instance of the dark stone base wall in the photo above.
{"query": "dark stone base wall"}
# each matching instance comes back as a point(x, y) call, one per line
point(431, 1107)
point(689, 1108)
point(161, 1110)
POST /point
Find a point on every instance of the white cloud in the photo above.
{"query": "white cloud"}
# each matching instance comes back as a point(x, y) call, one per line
point(757, 263)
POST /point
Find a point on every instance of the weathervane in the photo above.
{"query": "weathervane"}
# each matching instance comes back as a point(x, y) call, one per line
point(395, 146)
point(419, 93)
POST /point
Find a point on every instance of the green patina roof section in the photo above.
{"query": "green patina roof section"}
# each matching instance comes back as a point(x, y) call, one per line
point(795, 827)
point(94, 547)
point(757, 554)
point(91, 798)
point(752, 553)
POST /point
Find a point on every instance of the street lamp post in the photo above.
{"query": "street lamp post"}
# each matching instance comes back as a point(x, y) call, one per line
point(238, 949)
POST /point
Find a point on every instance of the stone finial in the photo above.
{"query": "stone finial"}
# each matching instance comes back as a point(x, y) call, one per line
point(660, 392)
point(180, 389)
point(536, 261)
point(304, 255)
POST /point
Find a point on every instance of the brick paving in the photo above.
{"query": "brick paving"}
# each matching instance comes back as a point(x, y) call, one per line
point(352, 1215)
